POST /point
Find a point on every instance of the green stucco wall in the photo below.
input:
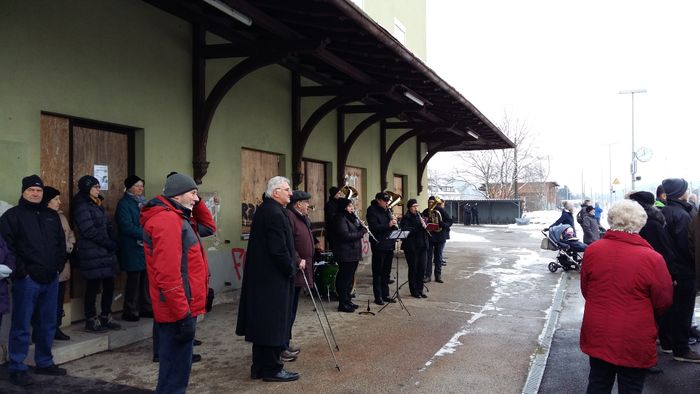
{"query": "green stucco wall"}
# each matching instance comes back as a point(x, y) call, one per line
point(411, 13)
point(128, 63)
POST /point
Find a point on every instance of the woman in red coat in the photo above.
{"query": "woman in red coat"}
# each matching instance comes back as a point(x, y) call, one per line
point(625, 284)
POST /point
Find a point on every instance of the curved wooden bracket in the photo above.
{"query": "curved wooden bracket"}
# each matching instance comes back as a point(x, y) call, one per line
point(208, 109)
point(299, 140)
point(346, 145)
point(386, 156)
point(424, 163)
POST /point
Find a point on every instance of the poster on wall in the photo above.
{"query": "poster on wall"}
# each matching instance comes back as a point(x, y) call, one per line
point(213, 202)
point(101, 173)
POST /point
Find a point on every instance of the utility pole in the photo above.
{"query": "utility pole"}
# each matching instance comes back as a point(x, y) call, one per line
point(633, 164)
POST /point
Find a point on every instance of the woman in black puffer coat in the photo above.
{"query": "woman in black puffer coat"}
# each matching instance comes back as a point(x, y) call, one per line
point(347, 251)
point(96, 246)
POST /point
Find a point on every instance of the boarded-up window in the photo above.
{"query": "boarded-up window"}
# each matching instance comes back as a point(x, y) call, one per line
point(315, 184)
point(354, 176)
point(256, 169)
point(398, 189)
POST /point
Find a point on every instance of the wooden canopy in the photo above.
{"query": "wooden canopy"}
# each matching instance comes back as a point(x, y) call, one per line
point(349, 56)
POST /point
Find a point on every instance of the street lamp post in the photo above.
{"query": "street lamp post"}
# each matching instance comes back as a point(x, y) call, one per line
point(633, 164)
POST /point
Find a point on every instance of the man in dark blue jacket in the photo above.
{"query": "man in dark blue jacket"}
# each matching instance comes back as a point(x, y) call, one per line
point(34, 234)
point(381, 222)
point(678, 218)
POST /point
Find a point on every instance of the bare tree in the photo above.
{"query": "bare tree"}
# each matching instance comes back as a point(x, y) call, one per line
point(501, 173)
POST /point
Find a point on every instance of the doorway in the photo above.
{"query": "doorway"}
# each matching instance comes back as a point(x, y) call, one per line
point(73, 147)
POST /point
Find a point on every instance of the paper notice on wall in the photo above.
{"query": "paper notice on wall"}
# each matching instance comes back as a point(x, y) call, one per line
point(101, 172)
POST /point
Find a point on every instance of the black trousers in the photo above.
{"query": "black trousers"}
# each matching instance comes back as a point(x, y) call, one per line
point(343, 281)
point(266, 360)
point(92, 287)
point(602, 378)
point(136, 297)
point(680, 316)
point(295, 306)
point(381, 270)
point(416, 270)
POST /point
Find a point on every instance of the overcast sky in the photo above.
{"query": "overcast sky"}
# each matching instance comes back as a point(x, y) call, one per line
point(559, 66)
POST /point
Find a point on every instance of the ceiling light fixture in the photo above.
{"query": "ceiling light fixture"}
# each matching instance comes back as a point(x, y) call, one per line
point(226, 9)
point(473, 135)
point(413, 98)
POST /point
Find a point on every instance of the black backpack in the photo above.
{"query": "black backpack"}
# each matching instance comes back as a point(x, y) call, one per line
point(579, 215)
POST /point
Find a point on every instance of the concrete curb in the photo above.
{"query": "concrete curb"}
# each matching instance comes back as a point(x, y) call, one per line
point(539, 362)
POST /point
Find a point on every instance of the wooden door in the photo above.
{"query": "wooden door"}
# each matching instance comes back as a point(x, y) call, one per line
point(399, 189)
point(71, 148)
point(256, 169)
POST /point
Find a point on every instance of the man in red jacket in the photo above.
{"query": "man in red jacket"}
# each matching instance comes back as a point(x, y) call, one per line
point(177, 274)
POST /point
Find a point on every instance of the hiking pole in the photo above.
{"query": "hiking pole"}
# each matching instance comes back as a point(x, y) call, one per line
point(323, 309)
point(321, 322)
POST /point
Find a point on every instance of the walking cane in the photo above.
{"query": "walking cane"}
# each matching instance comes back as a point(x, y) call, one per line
point(321, 323)
point(323, 309)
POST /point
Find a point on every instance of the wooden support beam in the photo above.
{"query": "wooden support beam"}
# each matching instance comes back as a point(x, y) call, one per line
point(257, 48)
point(423, 163)
point(366, 109)
point(344, 90)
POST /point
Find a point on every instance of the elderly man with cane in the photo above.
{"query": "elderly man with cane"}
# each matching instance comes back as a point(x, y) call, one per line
point(265, 307)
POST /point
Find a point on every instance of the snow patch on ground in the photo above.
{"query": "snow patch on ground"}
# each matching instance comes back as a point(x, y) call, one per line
point(462, 237)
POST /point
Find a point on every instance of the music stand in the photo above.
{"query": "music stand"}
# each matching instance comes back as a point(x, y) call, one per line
point(397, 235)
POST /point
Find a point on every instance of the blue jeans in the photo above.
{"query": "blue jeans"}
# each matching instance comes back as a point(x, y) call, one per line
point(434, 259)
point(26, 295)
point(175, 360)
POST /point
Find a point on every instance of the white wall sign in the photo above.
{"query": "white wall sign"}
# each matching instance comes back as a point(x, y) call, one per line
point(101, 172)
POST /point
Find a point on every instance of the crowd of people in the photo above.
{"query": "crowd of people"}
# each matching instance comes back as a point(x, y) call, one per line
point(640, 273)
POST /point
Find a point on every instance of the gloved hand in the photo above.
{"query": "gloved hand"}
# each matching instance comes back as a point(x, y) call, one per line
point(5, 271)
point(546, 229)
point(186, 328)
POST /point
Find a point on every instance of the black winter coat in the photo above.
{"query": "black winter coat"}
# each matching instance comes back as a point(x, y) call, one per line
point(565, 218)
point(347, 238)
point(329, 211)
point(96, 244)
point(378, 220)
point(677, 215)
point(654, 232)
point(417, 239)
point(34, 234)
point(265, 306)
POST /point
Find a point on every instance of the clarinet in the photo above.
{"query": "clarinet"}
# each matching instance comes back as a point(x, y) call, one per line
point(365, 226)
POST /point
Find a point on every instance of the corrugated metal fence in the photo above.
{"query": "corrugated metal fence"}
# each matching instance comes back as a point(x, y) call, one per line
point(489, 211)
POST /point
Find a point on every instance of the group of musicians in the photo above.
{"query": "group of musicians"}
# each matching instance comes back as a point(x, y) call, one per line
point(427, 233)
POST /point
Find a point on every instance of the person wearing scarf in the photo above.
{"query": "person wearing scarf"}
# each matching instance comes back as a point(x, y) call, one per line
point(137, 302)
point(96, 249)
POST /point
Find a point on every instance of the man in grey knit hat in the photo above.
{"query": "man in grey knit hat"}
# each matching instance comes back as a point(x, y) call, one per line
point(178, 274)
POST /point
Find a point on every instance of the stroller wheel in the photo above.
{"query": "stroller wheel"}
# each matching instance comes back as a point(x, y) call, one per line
point(552, 267)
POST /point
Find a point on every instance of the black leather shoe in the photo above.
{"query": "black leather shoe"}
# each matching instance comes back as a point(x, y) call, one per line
point(391, 281)
point(346, 308)
point(196, 358)
point(130, 317)
point(423, 295)
point(51, 370)
point(21, 378)
point(379, 302)
point(196, 342)
point(415, 295)
point(282, 376)
point(389, 300)
point(353, 305)
point(439, 280)
point(60, 335)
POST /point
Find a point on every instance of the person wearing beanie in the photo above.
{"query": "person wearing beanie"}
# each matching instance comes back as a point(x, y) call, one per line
point(137, 302)
point(329, 211)
point(178, 274)
point(591, 228)
point(304, 243)
point(415, 247)
point(381, 223)
point(52, 200)
point(34, 235)
point(347, 233)
point(97, 247)
point(677, 213)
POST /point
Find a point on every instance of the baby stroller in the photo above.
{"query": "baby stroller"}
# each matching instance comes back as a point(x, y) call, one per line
point(567, 258)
